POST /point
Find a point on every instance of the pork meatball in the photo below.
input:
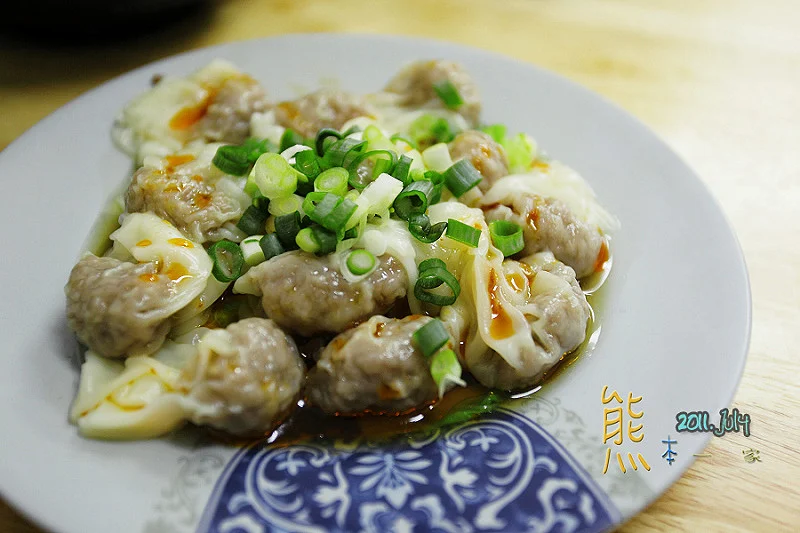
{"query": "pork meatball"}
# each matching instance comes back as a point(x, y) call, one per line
point(374, 368)
point(188, 197)
point(308, 295)
point(245, 378)
point(548, 224)
point(228, 117)
point(483, 152)
point(116, 308)
point(321, 109)
point(415, 84)
point(556, 311)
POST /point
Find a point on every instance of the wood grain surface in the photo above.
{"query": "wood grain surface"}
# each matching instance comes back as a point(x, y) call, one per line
point(718, 80)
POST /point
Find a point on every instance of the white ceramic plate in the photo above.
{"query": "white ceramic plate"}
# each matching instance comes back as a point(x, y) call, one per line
point(675, 330)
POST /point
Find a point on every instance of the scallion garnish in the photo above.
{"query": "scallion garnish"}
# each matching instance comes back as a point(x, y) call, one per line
point(402, 168)
point(255, 147)
point(327, 239)
point(290, 138)
point(413, 199)
point(437, 178)
point(252, 220)
point(323, 135)
point(432, 274)
point(275, 177)
point(306, 241)
point(383, 161)
point(449, 94)
point(251, 250)
point(397, 137)
point(461, 177)
point(333, 180)
point(307, 163)
point(360, 262)
point(428, 130)
point(339, 153)
point(271, 246)
point(430, 337)
point(463, 233)
point(231, 160)
point(446, 370)
point(420, 227)
point(287, 227)
point(496, 132)
point(329, 210)
point(228, 260)
point(507, 237)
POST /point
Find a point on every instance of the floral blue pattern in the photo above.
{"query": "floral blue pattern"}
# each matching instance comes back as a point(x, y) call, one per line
point(500, 473)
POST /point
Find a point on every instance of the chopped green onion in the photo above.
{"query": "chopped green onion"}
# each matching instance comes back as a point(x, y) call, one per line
point(397, 137)
point(429, 129)
point(307, 163)
point(437, 179)
point(463, 233)
point(228, 260)
point(351, 130)
point(251, 250)
point(286, 206)
point(329, 210)
point(290, 138)
point(430, 337)
point(271, 246)
point(375, 199)
point(226, 314)
point(433, 262)
point(521, 151)
point(413, 199)
point(323, 135)
point(433, 277)
point(360, 262)
point(287, 227)
point(333, 180)
point(339, 153)
point(306, 241)
point(255, 147)
point(402, 168)
point(419, 226)
point(316, 239)
point(437, 157)
point(252, 220)
point(446, 369)
point(496, 132)
point(448, 94)
point(275, 177)
point(507, 237)
point(461, 177)
point(383, 161)
point(231, 160)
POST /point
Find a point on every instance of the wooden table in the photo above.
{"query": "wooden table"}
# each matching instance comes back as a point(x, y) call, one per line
point(719, 80)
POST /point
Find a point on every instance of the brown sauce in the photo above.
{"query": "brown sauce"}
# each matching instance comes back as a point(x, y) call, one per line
point(500, 326)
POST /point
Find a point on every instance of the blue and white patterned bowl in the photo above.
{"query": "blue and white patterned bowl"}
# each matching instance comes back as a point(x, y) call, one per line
point(675, 322)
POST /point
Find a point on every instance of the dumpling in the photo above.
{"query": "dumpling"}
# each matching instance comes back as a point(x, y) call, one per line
point(245, 378)
point(242, 380)
point(523, 317)
point(374, 367)
point(214, 103)
point(120, 306)
point(321, 109)
point(415, 84)
point(307, 294)
point(189, 192)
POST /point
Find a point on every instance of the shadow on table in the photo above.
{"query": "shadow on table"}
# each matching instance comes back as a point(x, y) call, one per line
point(81, 40)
